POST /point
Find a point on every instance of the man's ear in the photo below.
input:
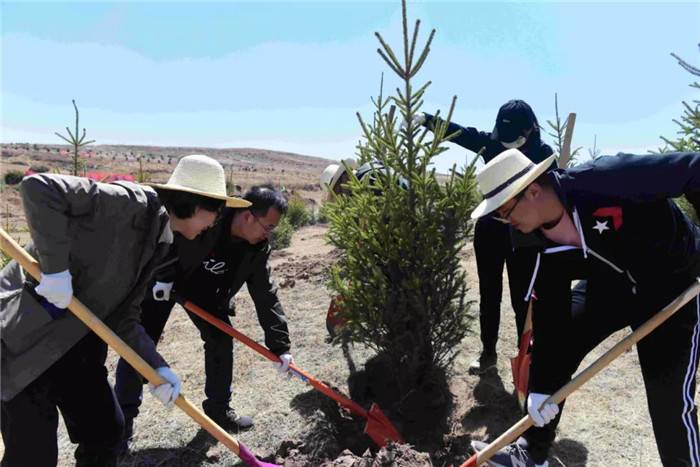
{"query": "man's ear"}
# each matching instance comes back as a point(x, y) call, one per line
point(533, 191)
point(246, 216)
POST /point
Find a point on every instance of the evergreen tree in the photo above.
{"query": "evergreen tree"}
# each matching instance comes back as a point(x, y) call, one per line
point(75, 140)
point(689, 123)
point(688, 134)
point(400, 283)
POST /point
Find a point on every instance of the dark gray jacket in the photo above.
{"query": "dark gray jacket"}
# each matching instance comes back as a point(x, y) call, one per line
point(110, 237)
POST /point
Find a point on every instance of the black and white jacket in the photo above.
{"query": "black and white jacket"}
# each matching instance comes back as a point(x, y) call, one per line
point(634, 238)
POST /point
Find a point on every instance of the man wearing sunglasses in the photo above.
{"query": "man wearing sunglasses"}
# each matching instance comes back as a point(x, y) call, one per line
point(612, 223)
point(209, 271)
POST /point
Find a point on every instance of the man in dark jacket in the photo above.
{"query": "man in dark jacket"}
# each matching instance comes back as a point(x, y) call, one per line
point(210, 271)
point(516, 127)
point(100, 242)
point(612, 223)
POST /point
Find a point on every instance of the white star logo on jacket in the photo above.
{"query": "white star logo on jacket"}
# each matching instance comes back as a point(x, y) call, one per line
point(601, 226)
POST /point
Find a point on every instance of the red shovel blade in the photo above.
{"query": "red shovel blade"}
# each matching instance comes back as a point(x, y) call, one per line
point(471, 462)
point(380, 428)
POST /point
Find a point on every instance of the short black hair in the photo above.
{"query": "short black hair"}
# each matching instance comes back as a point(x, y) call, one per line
point(544, 180)
point(262, 198)
point(183, 204)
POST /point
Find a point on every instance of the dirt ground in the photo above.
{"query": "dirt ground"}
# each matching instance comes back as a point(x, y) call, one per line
point(605, 423)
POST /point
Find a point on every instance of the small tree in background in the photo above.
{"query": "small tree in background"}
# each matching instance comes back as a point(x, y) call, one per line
point(688, 133)
point(297, 213)
point(399, 279)
point(562, 140)
point(688, 138)
point(74, 141)
point(595, 150)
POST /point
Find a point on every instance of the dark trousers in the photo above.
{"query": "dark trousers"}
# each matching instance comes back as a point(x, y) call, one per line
point(492, 248)
point(218, 359)
point(77, 386)
point(668, 358)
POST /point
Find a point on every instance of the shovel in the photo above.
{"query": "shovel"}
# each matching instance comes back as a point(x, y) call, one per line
point(378, 426)
point(619, 348)
point(30, 265)
point(520, 364)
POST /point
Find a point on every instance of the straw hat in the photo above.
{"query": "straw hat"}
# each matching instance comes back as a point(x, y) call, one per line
point(504, 177)
point(203, 176)
point(333, 172)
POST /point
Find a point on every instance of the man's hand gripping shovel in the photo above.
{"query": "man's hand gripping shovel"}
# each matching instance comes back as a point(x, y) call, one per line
point(619, 348)
point(378, 426)
point(30, 265)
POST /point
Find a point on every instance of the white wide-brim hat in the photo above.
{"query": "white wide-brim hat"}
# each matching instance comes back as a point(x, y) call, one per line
point(331, 174)
point(504, 177)
point(201, 175)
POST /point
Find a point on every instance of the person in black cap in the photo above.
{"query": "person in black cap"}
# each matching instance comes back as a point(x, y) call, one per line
point(516, 127)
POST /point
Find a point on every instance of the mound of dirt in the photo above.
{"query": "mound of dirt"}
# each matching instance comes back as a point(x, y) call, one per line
point(394, 455)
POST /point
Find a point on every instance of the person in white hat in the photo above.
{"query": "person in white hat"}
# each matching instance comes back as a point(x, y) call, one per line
point(516, 127)
point(612, 223)
point(335, 176)
point(100, 242)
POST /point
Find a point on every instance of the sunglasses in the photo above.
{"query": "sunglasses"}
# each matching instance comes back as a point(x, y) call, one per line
point(505, 219)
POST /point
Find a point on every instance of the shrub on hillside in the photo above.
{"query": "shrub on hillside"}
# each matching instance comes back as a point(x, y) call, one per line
point(282, 236)
point(297, 214)
point(322, 214)
point(39, 168)
point(13, 177)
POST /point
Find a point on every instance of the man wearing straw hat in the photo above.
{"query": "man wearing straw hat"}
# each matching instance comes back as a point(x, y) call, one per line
point(100, 242)
point(611, 222)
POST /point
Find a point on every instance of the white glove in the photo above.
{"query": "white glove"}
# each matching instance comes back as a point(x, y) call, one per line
point(417, 120)
point(541, 414)
point(56, 288)
point(161, 291)
point(282, 366)
point(166, 392)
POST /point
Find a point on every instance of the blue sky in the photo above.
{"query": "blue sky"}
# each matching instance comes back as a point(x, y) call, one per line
point(291, 75)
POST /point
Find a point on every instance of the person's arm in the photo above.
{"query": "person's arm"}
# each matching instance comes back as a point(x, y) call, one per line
point(127, 325)
point(639, 178)
point(468, 137)
point(263, 291)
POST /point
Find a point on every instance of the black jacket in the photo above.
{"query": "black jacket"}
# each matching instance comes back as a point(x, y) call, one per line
point(634, 239)
point(213, 267)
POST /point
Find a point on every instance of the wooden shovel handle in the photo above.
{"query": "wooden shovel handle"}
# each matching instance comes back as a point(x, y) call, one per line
point(30, 265)
point(619, 348)
point(568, 136)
